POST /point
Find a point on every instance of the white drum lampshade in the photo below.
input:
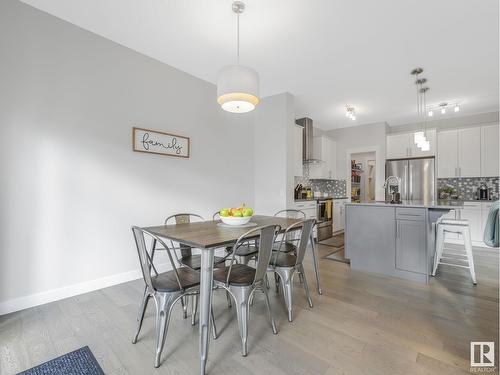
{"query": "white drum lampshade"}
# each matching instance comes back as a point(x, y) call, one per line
point(237, 88)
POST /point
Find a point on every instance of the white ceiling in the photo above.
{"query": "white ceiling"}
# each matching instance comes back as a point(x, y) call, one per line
point(328, 53)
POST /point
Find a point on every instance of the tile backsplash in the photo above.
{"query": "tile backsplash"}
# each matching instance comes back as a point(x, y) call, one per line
point(466, 186)
point(333, 188)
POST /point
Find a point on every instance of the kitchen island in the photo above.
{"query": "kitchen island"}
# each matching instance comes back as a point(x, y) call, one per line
point(394, 239)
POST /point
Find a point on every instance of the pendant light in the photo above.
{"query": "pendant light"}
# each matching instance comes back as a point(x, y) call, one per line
point(238, 85)
point(420, 137)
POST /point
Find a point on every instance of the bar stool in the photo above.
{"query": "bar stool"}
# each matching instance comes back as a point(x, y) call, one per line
point(454, 226)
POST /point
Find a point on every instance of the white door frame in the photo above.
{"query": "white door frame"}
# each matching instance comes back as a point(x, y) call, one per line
point(379, 169)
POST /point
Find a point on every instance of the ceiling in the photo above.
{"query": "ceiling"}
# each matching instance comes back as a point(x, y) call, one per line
point(327, 53)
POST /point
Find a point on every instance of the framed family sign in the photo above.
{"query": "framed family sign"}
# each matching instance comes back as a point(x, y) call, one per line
point(155, 142)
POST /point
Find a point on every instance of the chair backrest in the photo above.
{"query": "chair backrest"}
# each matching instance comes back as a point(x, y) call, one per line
point(146, 260)
point(291, 214)
point(265, 237)
point(183, 218)
point(304, 228)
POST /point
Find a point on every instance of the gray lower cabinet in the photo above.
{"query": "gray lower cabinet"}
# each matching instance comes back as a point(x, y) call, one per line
point(410, 245)
point(370, 233)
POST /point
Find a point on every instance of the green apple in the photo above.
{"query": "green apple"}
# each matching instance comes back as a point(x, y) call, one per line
point(224, 212)
point(247, 212)
point(237, 214)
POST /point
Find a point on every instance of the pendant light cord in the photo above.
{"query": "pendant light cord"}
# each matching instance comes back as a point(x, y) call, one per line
point(425, 113)
point(418, 97)
point(238, 38)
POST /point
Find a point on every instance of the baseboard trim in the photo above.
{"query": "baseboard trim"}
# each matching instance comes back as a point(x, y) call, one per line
point(52, 295)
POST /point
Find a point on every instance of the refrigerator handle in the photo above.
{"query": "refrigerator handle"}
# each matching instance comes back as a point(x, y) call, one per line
point(406, 182)
point(411, 182)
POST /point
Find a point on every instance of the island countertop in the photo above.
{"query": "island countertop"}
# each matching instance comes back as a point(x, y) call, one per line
point(438, 204)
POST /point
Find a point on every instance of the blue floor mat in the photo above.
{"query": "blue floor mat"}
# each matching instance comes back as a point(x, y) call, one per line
point(79, 362)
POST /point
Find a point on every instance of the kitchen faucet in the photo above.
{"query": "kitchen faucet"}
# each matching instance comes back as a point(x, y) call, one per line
point(391, 187)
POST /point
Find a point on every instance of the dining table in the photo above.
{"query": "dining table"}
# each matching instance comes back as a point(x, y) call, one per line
point(208, 236)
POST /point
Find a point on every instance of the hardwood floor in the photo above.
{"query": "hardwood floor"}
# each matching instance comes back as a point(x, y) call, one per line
point(362, 324)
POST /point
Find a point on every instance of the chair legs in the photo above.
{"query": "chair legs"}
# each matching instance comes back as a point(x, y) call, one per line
point(194, 309)
point(285, 278)
point(184, 303)
point(277, 282)
point(142, 311)
point(302, 275)
point(464, 230)
point(268, 304)
point(439, 248)
point(468, 250)
point(214, 328)
point(164, 305)
point(242, 296)
point(241, 299)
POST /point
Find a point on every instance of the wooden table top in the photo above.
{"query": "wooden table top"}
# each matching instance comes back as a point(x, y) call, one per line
point(207, 234)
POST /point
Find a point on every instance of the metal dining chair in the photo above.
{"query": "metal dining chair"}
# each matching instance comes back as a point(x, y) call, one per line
point(241, 280)
point(245, 252)
point(164, 288)
point(187, 258)
point(286, 265)
point(290, 244)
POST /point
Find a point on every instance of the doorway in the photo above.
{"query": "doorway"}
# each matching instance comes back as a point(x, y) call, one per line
point(363, 177)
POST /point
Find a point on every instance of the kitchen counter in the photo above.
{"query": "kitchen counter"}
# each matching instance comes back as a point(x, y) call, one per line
point(394, 239)
point(318, 199)
point(439, 204)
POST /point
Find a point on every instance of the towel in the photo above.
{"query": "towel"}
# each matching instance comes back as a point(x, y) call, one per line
point(491, 237)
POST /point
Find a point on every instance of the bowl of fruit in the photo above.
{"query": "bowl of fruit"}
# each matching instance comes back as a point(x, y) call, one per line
point(236, 216)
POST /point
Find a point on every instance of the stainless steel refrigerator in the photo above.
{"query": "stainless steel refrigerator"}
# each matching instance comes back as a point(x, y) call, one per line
point(417, 178)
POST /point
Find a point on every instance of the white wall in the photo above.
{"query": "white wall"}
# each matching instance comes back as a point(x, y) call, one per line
point(357, 139)
point(273, 142)
point(71, 186)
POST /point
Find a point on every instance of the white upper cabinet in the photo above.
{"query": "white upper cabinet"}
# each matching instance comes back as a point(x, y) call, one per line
point(402, 146)
point(447, 154)
point(324, 150)
point(489, 151)
point(469, 152)
point(398, 146)
point(298, 132)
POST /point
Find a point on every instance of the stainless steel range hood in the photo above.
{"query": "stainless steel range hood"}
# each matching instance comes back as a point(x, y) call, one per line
point(307, 141)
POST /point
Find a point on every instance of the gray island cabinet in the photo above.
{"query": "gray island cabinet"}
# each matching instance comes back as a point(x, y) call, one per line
point(394, 240)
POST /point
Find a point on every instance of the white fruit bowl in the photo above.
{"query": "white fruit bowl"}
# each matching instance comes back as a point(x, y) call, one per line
point(232, 220)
